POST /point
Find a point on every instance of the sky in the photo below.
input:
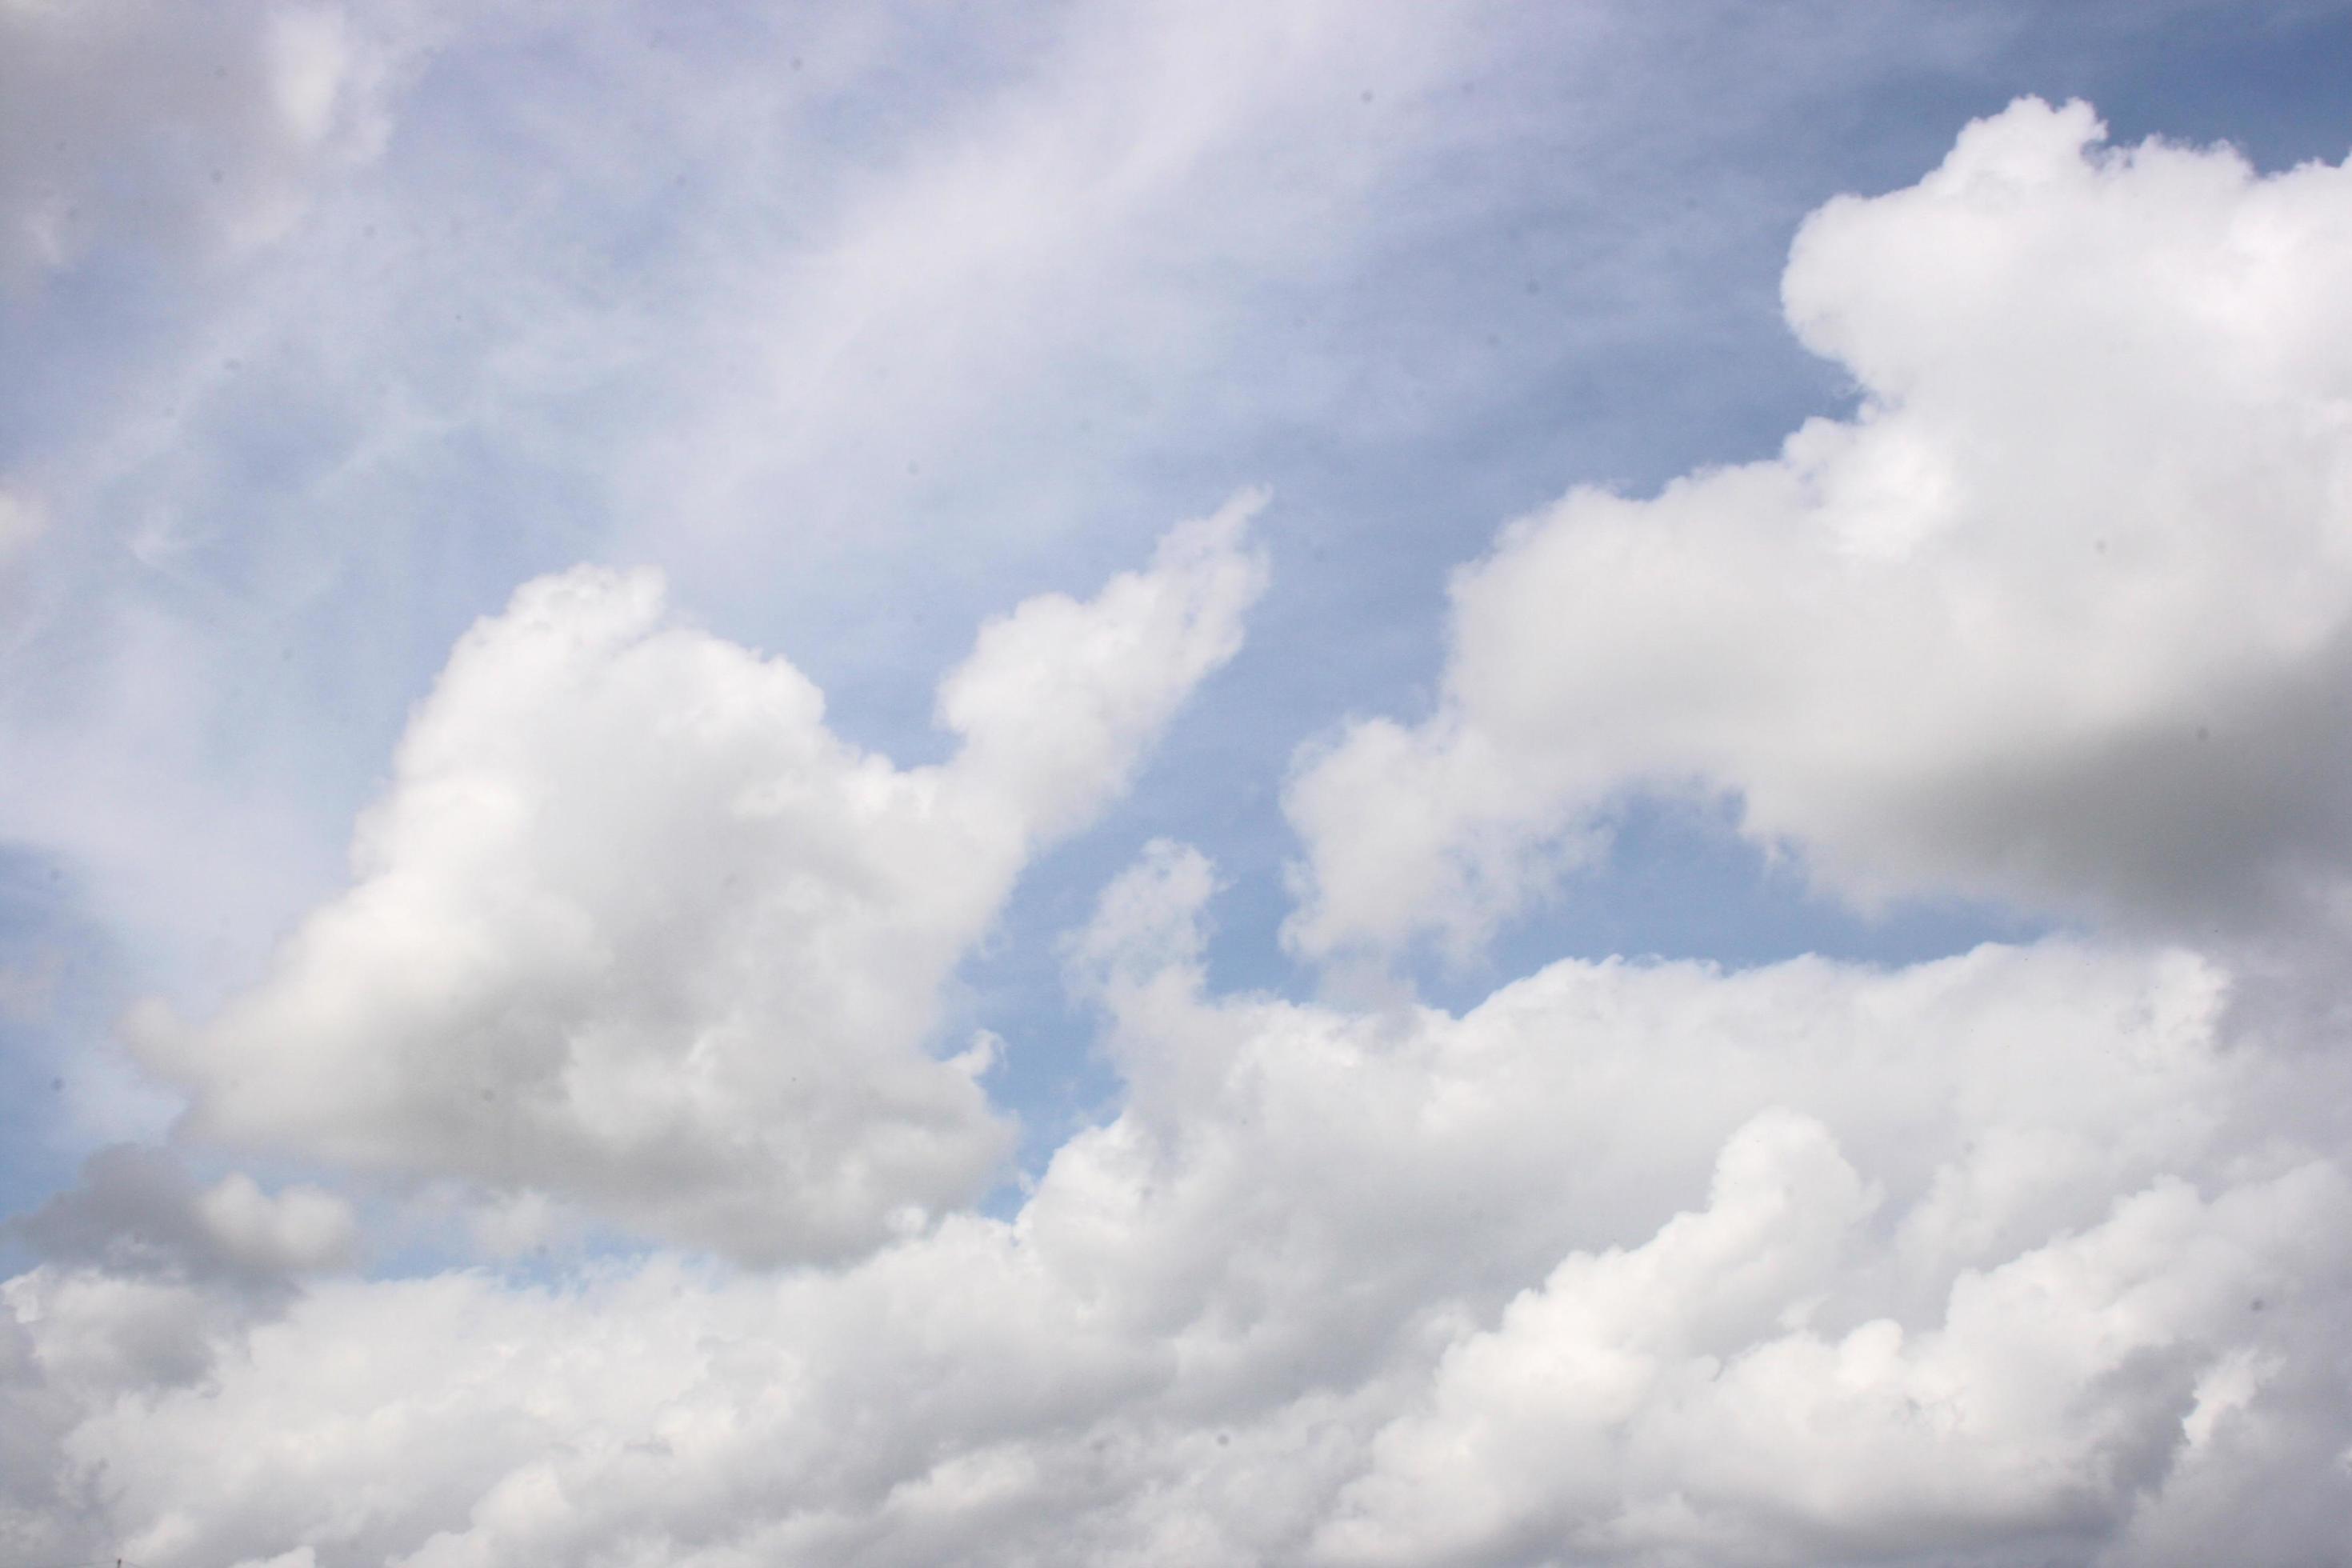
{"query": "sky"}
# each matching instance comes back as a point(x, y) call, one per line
point(1209, 784)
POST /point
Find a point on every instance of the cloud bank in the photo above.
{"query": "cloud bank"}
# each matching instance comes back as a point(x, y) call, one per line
point(2005, 1257)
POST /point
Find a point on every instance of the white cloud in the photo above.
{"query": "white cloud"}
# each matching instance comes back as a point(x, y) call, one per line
point(1147, 926)
point(631, 927)
point(1055, 700)
point(2059, 615)
point(1998, 1258)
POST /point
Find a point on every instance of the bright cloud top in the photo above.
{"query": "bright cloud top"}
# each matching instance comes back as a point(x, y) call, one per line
point(631, 928)
point(2059, 615)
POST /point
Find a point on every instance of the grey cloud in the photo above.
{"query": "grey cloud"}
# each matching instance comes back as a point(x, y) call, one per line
point(138, 1211)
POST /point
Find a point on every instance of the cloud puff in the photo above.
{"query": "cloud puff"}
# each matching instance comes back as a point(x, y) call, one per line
point(1999, 1258)
point(2059, 614)
point(631, 927)
point(1670, 1396)
point(138, 1211)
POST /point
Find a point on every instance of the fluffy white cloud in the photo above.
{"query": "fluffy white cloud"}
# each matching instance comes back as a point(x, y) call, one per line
point(1669, 1396)
point(1997, 1258)
point(2059, 614)
point(631, 927)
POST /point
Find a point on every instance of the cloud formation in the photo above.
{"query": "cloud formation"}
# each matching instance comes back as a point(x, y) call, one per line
point(631, 928)
point(2058, 616)
point(2002, 1257)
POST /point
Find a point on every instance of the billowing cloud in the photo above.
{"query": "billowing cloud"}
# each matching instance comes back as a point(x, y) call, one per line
point(1674, 1395)
point(631, 927)
point(2001, 1257)
point(2059, 614)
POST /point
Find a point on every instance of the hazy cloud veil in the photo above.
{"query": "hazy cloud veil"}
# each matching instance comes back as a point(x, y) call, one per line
point(615, 1162)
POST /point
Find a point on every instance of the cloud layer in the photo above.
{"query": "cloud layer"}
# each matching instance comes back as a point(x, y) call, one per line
point(2059, 615)
point(2004, 1256)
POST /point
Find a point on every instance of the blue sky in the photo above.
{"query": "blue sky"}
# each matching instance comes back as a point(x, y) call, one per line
point(332, 329)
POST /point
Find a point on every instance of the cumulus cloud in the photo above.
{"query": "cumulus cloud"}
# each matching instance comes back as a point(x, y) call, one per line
point(632, 927)
point(2004, 1256)
point(1668, 1396)
point(2059, 614)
